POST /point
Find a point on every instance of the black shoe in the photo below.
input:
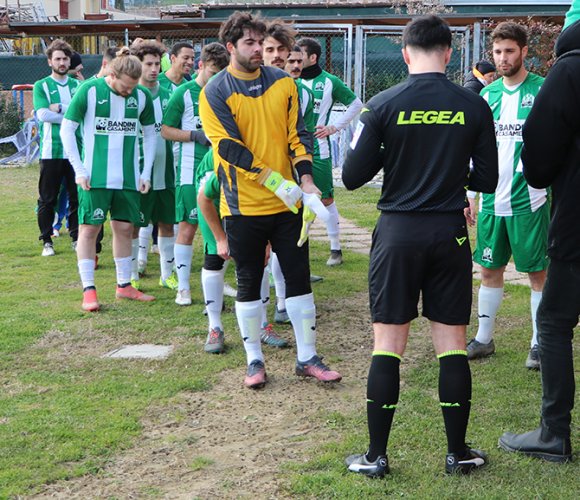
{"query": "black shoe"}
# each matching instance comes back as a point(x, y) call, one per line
point(540, 443)
point(360, 464)
point(464, 464)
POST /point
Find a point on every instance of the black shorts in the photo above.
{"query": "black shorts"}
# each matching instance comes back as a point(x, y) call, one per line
point(416, 253)
point(247, 239)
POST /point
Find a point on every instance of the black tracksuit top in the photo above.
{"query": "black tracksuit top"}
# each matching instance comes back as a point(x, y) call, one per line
point(423, 133)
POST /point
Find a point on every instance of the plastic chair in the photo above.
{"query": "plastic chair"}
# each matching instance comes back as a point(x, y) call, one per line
point(27, 144)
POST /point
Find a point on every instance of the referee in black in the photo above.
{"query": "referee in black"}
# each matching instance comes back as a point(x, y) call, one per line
point(422, 133)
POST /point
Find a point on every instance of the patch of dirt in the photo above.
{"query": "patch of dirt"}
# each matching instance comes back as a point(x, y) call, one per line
point(230, 442)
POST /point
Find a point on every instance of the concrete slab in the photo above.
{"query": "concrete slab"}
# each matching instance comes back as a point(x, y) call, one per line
point(141, 351)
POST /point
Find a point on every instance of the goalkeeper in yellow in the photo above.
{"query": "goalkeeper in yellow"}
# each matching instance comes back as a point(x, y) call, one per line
point(251, 115)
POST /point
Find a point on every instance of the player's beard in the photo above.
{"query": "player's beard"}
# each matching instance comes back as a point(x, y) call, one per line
point(511, 71)
point(250, 64)
point(60, 70)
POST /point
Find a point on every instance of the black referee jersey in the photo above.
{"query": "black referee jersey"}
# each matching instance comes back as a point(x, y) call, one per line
point(423, 133)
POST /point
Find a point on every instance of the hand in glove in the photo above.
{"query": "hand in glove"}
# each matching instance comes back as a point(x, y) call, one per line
point(288, 191)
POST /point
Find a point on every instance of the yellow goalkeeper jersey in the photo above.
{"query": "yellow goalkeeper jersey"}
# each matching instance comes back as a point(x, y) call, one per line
point(253, 121)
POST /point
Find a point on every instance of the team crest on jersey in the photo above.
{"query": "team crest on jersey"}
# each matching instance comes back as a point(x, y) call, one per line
point(528, 101)
point(132, 103)
point(98, 214)
point(108, 126)
point(164, 103)
point(487, 256)
point(319, 86)
point(196, 123)
point(73, 91)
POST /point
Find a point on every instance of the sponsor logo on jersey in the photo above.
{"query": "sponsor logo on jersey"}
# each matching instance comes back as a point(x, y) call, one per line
point(487, 256)
point(528, 101)
point(507, 130)
point(431, 117)
point(109, 126)
point(319, 86)
point(317, 103)
point(158, 128)
point(254, 88)
point(132, 103)
point(193, 213)
point(98, 214)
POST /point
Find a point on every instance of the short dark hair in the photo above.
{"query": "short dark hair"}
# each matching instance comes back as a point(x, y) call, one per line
point(215, 52)
point(281, 32)
point(59, 44)
point(427, 33)
point(232, 29)
point(508, 30)
point(311, 46)
point(176, 49)
point(110, 53)
point(147, 47)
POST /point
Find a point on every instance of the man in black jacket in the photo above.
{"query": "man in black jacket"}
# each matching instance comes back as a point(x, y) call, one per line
point(481, 75)
point(422, 133)
point(551, 157)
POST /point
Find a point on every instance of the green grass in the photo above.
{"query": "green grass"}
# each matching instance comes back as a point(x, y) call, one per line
point(65, 411)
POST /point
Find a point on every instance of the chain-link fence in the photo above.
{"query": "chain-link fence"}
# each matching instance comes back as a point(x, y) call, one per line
point(367, 58)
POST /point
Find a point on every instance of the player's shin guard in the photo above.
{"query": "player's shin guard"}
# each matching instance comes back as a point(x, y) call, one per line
point(382, 399)
point(332, 227)
point(87, 272)
point(488, 302)
point(144, 238)
point(134, 257)
point(249, 315)
point(166, 255)
point(212, 283)
point(302, 313)
point(279, 283)
point(183, 256)
point(455, 397)
point(535, 299)
point(123, 268)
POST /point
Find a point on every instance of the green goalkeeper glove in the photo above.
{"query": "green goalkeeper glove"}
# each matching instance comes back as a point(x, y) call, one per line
point(308, 217)
point(288, 191)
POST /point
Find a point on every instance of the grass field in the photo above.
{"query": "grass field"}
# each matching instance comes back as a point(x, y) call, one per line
point(65, 412)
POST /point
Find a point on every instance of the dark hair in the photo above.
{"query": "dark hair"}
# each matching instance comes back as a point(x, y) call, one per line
point(427, 33)
point(311, 46)
point(281, 32)
point(215, 52)
point(484, 67)
point(296, 48)
point(75, 60)
point(232, 29)
point(147, 47)
point(61, 45)
point(176, 49)
point(509, 30)
point(110, 53)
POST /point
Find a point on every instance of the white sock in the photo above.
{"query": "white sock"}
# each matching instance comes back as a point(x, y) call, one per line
point(183, 256)
point(87, 272)
point(488, 304)
point(144, 237)
point(279, 283)
point(302, 313)
point(166, 255)
point(535, 300)
point(134, 255)
point(212, 283)
point(248, 314)
point(332, 227)
point(265, 295)
point(123, 267)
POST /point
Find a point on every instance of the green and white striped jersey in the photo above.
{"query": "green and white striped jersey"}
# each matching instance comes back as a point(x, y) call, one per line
point(110, 126)
point(510, 109)
point(183, 113)
point(46, 92)
point(327, 90)
point(306, 105)
point(163, 174)
point(168, 84)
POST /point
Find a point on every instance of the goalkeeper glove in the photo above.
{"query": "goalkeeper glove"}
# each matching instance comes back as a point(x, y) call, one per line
point(312, 201)
point(308, 217)
point(288, 191)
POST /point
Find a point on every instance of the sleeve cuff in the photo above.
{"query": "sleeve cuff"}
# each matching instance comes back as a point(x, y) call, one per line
point(303, 167)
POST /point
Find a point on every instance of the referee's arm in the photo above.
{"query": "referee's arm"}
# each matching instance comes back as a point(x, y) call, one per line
point(485, 172)
point(364, 158)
